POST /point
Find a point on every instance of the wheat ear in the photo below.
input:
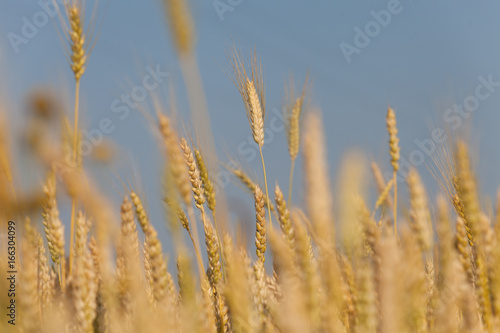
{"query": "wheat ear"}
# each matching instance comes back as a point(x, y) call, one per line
point(158, 266)
point(181, 215)
point(318, 193)
point(197, 189)
point(449, 274)
point(458, 204)
point(176, 159)
point(307, 265)
point(209, 192)
point(256, 114)
point(284, 217)
point(420, 214)
point(207, 315)
point(194, 174)
point(82, 287)
point(394, 152)
point(82, 229)
point(469, 196)
point(127, 257)
point(45, 280)
point(128, 227)
point(463, 249)
point(261, 293)
point(349, 291)
point(213, 253)
point(54, 229)
point(467, 191)
point(260, 213)
point(181, 25)
point(292, 111)
point(208, 186)
point(293, 140)
point(142, 217)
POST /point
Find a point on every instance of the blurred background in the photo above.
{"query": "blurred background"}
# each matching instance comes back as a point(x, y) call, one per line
point(436, 63)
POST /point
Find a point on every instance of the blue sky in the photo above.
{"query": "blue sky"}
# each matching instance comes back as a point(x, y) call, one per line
point(426, 58)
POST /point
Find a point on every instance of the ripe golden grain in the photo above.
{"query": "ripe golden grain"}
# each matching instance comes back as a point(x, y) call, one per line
point(208, 186)
point(194, 174)
point(260, 213)
point(361, 279)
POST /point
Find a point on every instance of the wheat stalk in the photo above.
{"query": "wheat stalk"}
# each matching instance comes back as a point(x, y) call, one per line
point(78, 58)
point(252, 92)
point(381, 183)
point(394, 152)
point(384, 194)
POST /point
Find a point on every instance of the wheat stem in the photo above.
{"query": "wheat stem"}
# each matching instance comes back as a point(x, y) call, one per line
point(250, 185)
point(267, 192)
point(75, 159)
point(196, 242)
point(395, 207)
point(72, 230)
point(290, 182)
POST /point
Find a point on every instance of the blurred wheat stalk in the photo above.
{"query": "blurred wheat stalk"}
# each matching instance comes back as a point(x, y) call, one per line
point(348, 270)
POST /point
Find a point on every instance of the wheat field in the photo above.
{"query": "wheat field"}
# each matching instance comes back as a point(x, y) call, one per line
point(432, 265)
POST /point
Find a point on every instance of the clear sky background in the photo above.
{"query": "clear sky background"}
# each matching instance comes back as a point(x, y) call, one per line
point(425, 59)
